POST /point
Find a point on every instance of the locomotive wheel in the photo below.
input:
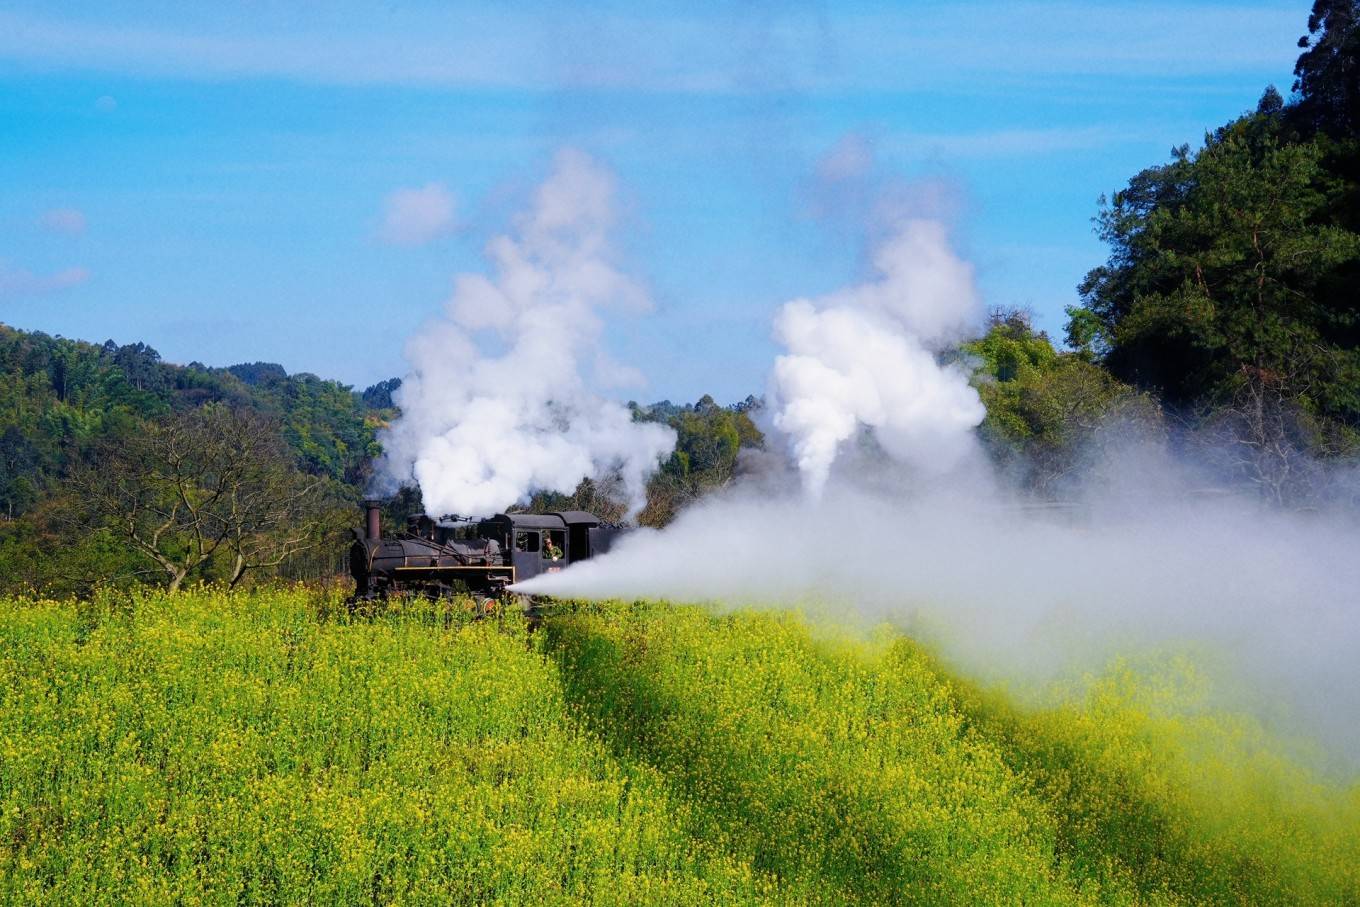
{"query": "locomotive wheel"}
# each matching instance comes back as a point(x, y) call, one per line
point(480, 606)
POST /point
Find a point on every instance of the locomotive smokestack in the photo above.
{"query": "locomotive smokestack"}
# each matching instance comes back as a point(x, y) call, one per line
point(373, 522)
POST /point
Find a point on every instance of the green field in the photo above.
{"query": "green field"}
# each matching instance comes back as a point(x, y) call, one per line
point(269, 748)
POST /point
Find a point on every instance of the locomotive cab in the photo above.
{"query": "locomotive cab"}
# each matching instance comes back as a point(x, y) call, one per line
point(543, 542)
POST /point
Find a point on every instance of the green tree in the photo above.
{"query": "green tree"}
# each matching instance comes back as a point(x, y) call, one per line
point(1230, 286)
point(1222, 286)
point(1216, 260)
point(1044, 407)
point(709, 438)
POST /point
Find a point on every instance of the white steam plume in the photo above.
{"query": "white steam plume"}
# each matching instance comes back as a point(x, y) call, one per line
point(479, 432)
point(1017, 594)
point(865, 356)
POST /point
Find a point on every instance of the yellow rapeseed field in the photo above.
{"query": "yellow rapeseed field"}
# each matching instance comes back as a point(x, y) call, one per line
point(271, 748)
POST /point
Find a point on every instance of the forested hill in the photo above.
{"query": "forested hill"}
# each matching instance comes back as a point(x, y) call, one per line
point(60, 399)
point(97, 443)
point(73, 412)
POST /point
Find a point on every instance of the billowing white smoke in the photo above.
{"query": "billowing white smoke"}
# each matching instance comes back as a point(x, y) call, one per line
point(479, 432)
point(865, 356)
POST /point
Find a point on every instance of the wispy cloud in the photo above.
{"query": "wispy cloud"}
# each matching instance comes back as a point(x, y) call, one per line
point(882, 48)
point(69, 221)
point(1010, 142)
point(21, 282)
point(357, 57)
point(415, 216)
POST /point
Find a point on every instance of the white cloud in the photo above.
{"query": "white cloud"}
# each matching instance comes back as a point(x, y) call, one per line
point(64, 220)
point(106, 103)
point(415, 216)
point(18, 282)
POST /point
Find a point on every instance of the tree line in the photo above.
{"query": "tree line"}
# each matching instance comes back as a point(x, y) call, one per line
point(1226, 317)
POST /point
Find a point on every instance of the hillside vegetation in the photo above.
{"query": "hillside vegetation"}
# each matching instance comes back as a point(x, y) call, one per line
point(268, 747)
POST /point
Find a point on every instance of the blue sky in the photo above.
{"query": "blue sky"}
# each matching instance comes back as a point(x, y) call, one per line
point(212, 178)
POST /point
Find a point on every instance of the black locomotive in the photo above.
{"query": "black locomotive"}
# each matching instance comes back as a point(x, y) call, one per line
point(481, 557)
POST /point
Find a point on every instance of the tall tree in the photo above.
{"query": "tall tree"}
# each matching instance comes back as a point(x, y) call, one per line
point(1220, 274)
point(1327, 74)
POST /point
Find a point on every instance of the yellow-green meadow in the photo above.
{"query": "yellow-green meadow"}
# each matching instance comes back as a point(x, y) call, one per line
point(269, 747)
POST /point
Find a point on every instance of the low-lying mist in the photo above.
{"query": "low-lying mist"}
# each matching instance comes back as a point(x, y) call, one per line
point(1023, 593)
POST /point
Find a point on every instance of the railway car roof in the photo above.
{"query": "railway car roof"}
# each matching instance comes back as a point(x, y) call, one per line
point(559, 520)
point(578, 516)
point(533, 520)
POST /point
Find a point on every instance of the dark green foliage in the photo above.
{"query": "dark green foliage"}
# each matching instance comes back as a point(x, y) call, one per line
point(1219, 266)
point(324, 423)
point(1230, 290)
point(379, 396)
point(1328, 71)
point(254, 373)
point(36, 554)
point(1271, 102)
point(58, 396)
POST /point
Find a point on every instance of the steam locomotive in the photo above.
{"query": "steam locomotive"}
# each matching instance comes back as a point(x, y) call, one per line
point(481, 557)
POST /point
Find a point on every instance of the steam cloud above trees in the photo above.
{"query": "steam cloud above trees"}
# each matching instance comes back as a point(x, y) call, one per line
point(480, 431)
point(866, 356)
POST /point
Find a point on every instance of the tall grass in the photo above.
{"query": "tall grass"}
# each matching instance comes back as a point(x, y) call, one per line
point(270, 748)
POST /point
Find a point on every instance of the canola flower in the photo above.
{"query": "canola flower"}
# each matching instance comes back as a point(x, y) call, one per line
point(269, 747)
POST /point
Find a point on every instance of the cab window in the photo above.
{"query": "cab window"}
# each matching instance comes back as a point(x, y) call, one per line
point(526, 541)
point(554, 545)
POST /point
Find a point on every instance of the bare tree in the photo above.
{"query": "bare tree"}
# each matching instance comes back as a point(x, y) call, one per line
point(1265, 437)
point(280, 515)
point(211, 483)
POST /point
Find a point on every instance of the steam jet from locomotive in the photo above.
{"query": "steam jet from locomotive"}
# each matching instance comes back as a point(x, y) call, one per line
point(441, 557)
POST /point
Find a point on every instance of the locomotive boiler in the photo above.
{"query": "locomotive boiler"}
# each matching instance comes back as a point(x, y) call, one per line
point(478, 556)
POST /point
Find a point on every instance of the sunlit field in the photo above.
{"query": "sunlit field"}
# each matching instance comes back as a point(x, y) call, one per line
point(272, 748)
